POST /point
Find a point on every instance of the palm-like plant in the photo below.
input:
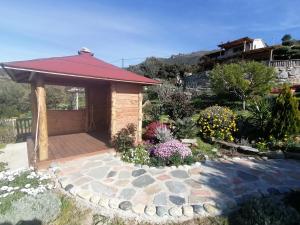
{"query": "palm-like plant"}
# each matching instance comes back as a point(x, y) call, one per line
point(261, 115)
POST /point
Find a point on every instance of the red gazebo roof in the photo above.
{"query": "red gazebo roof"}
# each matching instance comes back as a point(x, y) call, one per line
point(83, 65)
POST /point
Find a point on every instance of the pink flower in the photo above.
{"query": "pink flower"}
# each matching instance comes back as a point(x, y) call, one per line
point(169, 148)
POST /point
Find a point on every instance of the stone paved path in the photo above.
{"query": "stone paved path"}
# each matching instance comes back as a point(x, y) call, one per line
point(208, 188)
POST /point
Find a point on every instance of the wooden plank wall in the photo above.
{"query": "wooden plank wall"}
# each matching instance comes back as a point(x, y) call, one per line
point(66, 121)
point(126, 107)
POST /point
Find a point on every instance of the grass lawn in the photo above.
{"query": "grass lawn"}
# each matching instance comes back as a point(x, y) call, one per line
point(71, 213)
point(2, 146)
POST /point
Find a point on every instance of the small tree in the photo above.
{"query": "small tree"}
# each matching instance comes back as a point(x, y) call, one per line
point(286, 37)
point(245, 80)
point(285, 114)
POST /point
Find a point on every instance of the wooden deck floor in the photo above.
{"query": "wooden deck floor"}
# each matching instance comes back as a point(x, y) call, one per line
point(71, 146)
point(64, 146)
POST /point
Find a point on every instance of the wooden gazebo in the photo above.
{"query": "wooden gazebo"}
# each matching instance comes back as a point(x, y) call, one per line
point(113, 99)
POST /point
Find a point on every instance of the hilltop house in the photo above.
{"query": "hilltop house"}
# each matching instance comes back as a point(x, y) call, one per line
point(241, 48)
point(244, 49)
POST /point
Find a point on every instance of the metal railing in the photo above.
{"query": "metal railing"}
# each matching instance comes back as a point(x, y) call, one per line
point(285, 63)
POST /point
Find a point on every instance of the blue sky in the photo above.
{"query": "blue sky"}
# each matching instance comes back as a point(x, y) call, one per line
point(116, 29)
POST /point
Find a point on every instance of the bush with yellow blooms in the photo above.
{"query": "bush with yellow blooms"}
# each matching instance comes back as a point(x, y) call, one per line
point(217, 122)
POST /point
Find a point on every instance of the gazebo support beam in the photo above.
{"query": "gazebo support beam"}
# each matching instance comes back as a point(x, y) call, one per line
point(113, 111)
point(140, 119)
point(42, 119)
point(33, 110)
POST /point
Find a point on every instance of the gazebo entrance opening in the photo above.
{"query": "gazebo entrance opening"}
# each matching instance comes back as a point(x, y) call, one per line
point(83, 129)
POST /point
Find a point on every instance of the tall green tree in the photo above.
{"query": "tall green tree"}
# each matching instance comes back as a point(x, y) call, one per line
point(56, 95)
point(14, 99)
point(285, 114)
point(245, 80)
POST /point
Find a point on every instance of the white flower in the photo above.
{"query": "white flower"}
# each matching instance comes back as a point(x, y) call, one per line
point(27, 185)
point(24, 190)
point(9, 189)
point(10, 178)
point(4, 188)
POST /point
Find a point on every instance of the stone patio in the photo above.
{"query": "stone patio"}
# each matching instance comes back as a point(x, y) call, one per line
point(209, 188)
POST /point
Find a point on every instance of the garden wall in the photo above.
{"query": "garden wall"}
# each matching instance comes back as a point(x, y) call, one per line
point(66, 121)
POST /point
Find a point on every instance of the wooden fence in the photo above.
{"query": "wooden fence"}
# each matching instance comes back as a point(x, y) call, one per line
point(23, 126)
point(19, 127)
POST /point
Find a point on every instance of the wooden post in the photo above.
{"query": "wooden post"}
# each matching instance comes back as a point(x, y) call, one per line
point(271, 55)
point(140, 119)
point(33, 110)
point(87, 109)
point(113, 111)
point(42, 122)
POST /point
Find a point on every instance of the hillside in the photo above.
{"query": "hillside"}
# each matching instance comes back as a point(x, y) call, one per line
point(189, 59)
point(168, 68)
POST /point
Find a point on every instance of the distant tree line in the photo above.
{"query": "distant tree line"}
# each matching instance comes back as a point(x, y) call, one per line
point(155, 68)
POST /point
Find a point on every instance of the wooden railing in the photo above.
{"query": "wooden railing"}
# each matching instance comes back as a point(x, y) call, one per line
point(23, 126)
point(285, 63)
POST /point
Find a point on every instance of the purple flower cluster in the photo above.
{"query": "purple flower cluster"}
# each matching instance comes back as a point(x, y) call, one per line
point(169, 148)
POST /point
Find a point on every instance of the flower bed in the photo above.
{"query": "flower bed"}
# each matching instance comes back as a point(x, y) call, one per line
point(171, 152)
point(160, 149)
point(15, 185)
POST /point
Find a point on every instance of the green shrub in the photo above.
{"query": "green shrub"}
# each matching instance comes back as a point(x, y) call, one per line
point(217, 122)
point(152, 112)
point(138, 155)
point(262, 145)
point(245, 129)
point(265, 211)
point(125, 138)
point(285, 114)
point(7, 134)
point(185, 128)
point(44, 207)
point(178, 106)
point(293, 147)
